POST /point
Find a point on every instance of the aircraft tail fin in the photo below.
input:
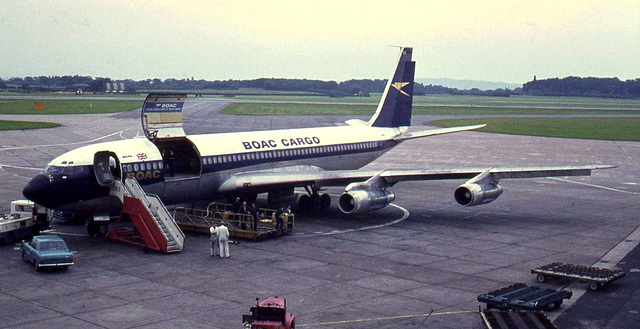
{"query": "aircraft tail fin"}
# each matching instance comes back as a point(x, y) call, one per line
point(394, 109)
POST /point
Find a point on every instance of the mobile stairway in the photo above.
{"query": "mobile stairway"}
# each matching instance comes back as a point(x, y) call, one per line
point(154, 227)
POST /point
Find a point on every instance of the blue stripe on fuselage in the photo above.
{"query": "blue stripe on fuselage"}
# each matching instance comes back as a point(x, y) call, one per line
point(214, 163)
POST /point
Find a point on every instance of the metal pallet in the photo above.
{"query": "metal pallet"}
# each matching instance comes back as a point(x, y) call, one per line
point(522, 296)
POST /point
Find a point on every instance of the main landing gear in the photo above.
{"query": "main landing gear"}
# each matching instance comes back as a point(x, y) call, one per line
point(314, 200)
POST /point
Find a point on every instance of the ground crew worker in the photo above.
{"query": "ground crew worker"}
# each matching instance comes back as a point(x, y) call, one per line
point(244, 209)
point(279, 219)
point(215, 244)
point(253, 210)
point(236, 205)
point(223, 237)
point(172, 163)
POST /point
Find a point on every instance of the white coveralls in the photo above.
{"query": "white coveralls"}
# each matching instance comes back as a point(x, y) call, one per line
point(214, 241)
point(223, 236)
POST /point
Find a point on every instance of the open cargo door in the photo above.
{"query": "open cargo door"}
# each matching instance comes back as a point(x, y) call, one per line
point(162, 116)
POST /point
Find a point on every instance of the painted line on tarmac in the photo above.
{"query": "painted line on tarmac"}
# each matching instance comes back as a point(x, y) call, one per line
point(396, 317)
point(596, 186)
point(63, 144)
point(54, 231)
point(18, 167)
point(609, 260)
point(405, 215)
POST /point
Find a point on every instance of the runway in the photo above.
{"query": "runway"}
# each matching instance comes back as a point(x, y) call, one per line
point(440, 257)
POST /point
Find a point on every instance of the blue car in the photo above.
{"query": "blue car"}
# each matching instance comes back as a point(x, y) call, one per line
point(47, 251)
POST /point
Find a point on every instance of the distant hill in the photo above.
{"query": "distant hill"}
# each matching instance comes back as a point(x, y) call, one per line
point(468, 84)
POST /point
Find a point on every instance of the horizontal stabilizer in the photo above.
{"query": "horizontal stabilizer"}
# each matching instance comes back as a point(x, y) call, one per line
point(356, 122)
point(433, 132)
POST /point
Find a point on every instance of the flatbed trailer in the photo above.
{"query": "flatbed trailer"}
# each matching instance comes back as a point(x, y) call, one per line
point(521, 296)
point(240, 226)
point(494, 319)
point(594, 276)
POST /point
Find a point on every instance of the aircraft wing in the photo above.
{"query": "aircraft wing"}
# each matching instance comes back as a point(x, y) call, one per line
point(263, 181)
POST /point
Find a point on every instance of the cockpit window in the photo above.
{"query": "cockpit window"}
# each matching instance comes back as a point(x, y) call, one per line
point(67, 170)
point(52, 170)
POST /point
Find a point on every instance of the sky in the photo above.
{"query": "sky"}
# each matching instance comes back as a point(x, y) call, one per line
point(507, 41)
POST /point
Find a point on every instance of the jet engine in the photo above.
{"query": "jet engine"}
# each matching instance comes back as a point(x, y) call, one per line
point(470, 194)
point(354, 201)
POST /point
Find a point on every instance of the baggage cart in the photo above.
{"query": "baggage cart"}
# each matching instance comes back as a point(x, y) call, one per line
point(595, 277)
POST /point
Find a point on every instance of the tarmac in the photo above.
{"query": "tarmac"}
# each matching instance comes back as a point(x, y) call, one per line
point(423, 254)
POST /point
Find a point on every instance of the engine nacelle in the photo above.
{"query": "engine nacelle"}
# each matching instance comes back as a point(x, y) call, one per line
point(476, 194)
point(355, 201)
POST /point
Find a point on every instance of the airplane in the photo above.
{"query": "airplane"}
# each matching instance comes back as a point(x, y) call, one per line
point(181, 168)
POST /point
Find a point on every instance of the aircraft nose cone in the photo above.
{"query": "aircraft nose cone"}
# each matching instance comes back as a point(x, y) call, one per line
point(34, 190)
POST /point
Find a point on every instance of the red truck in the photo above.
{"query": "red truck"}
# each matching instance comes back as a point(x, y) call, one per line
point(271, 313)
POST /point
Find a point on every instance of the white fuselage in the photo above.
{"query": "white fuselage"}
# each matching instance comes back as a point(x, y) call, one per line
point(214, 158)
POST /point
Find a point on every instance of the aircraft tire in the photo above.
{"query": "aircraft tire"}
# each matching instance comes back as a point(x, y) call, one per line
point(316, 203)
point(103, 229)
point(91, 229)
point(325, 201)
point(304, 202)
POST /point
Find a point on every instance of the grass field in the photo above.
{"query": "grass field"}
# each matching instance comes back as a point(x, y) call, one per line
point(257, 109)
point(79, 106)
point(20, 125)
point(624, 129)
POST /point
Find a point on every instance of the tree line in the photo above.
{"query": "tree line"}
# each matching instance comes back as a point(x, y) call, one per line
point(569, 86)
point(353, 87)
point(589, 87)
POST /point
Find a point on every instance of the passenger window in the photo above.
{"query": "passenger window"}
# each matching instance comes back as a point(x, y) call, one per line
point(160, 165)
point(135, 167)
point(155, 165)
point(148, 166)
point(235, 157)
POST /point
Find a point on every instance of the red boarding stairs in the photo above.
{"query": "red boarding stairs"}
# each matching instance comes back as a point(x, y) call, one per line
point(154, 227)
